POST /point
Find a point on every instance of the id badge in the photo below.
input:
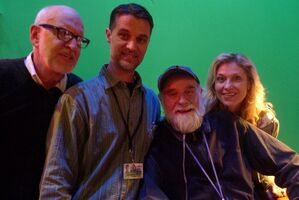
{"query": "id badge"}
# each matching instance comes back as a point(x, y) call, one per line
point(133, 171)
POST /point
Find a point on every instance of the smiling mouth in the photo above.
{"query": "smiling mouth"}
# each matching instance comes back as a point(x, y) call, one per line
point(129, 56)
point(183, 111)
point(229, 94)
point(68, 56)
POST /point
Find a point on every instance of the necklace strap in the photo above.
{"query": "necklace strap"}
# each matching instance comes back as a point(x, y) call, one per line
point(218, 190)
point(126, 121)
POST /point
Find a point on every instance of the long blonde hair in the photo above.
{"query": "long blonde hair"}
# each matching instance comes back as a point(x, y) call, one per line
point(255, 100)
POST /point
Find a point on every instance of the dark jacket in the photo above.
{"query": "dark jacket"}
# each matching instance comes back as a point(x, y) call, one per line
point(237, 148)
point(26, 109)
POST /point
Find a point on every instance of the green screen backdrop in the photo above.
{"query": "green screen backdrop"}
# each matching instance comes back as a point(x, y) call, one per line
point(191, 33)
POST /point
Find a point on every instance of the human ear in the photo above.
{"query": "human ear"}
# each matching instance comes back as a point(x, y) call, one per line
point(108, 35)
point(34, 35)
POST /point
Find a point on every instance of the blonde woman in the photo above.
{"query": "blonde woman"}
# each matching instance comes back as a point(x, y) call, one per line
point(234, 84)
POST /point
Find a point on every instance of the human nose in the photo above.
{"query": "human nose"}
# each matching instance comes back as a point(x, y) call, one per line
point(183, 100)
point(131, 45)
point(228, 84)
point(73, 44)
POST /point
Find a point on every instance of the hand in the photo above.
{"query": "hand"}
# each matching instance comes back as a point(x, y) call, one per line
point(265, 120)
point(276, 192)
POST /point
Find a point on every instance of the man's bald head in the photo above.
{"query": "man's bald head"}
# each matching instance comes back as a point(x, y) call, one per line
point(56, 13)
point(53, 55)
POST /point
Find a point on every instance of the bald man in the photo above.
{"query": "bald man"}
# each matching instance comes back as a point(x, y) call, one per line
point(29, 90)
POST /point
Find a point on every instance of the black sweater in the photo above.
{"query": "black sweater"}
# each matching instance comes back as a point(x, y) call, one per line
point(26, 109)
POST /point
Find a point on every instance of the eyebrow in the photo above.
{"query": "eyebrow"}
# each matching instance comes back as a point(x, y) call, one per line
point(169, 89)
point(233, 74)
point(126, 30)
point(123, 29)
point(191, 86)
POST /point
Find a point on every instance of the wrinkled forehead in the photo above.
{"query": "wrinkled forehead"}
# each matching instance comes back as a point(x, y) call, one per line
point(180, 83)
point(178, 79)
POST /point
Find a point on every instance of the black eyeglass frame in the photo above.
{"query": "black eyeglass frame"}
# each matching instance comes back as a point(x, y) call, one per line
point(82, 42)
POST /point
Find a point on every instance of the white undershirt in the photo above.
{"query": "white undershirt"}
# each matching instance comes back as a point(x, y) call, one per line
point(30, 67)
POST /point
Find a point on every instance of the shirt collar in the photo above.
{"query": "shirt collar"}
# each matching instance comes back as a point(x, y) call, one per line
point(31, 68)
point(112, 80)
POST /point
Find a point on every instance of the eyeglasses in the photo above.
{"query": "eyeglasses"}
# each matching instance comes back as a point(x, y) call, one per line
point(66, 36)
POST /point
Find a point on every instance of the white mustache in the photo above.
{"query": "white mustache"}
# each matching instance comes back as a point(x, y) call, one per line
point(180, 108)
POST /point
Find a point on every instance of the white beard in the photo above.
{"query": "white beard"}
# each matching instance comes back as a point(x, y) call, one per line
point(186, 122)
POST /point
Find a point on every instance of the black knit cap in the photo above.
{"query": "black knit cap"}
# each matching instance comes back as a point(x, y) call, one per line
point(175, 70)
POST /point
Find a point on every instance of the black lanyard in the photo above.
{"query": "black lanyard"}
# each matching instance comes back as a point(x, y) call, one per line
point(126, 122)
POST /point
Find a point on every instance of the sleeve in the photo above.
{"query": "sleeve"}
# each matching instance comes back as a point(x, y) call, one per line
point(269, 156)
point(150, 186)
point(270, 124)
point(65, 139)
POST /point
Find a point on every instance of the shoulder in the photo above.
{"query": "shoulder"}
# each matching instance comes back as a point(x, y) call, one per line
point(11, 65)
point(13, 72)
point(72, 79)
point(227, 122)
point(86, 91)
point(221, 116)
point(149, 90)
point(152, 102)
point(150, 94)
point(268, 122)
point(162, 128)
point(7, 62)
point(83, 86)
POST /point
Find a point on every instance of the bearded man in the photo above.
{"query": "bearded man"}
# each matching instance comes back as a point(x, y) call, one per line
point(211, 156)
